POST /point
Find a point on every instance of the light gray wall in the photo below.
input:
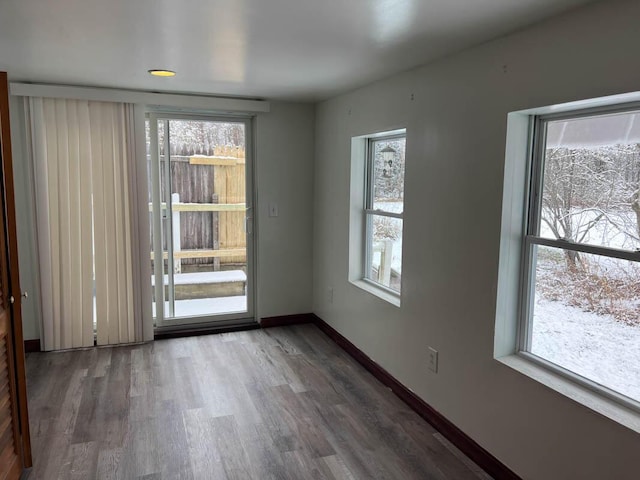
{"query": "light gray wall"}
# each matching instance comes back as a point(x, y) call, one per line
point(455, 111)
point(283, 174)
point(25, 214)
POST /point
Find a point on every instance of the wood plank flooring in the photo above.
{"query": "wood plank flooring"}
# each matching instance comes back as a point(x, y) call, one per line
point(281, 403)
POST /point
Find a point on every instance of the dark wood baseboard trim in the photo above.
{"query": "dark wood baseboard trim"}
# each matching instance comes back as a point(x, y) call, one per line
point(284, 320)
point(467, 445)
point(32, 345)
point(192, 332)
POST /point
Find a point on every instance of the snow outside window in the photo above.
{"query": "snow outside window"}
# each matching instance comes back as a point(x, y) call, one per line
point(581, 284)
point(383, 210)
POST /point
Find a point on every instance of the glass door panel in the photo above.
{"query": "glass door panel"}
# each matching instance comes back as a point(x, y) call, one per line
point(199, 204)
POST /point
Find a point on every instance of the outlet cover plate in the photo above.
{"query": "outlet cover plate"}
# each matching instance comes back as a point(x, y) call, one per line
point(433, 360)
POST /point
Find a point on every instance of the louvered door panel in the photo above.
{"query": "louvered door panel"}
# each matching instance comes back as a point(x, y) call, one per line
point(6, 414)
point(10, 465)
point(10, 461)
point(12, 446)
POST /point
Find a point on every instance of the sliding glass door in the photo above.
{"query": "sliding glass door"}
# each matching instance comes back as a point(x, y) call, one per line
point(200, 219)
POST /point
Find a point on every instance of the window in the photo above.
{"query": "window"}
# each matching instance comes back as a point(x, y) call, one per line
point(383, 210)
point(580, 300)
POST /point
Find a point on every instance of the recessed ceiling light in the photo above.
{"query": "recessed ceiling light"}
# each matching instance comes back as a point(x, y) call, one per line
point(162, 73)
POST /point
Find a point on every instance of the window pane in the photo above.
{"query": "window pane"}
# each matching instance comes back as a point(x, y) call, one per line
point(388, 174)
point(586, 317)
point(385, 250)
point(591, 179)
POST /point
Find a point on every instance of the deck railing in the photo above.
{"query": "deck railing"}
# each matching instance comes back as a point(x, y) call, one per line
point(178, 253)
point(385, 248)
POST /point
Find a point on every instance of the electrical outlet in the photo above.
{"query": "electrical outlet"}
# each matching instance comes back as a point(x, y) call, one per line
point(433, 360)
point(330, 294)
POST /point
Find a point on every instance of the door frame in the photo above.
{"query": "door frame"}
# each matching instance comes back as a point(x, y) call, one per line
point(162, 324)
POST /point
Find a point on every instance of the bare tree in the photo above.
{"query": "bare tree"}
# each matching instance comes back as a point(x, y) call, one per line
point(592, 190)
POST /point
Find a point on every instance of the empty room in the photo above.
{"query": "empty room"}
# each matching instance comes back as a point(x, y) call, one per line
point(368, 239)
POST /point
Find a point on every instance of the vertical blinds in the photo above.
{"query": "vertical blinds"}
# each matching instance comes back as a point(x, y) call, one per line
point(81, 158)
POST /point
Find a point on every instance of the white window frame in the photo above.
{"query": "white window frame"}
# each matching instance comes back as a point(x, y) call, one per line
point(360, 184)
point(369, 212)
point(531, 239)
point(510, 335)
point(163, 323)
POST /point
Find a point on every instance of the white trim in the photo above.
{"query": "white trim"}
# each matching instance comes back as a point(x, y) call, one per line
point(630, 255)
point(379, 291)
point(359, 200)
point(383, 213)
point(369, 201)
point(161, 321)
point(610, 101)
point(196, 321)
point(510, 345)
point(570, 375)
point(154, 176)
point(172, 100)
point(402, 131)
point(357, 220)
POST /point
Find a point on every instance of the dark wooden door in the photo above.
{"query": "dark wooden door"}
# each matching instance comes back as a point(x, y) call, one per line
point(15, 452)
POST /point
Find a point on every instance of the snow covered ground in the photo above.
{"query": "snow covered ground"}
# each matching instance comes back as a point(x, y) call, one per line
point(199, 278)
point(207, 306)
point(597, 347)
point(396, 257)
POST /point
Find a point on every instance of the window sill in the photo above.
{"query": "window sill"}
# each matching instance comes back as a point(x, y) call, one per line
point(590, 399)
point(381, 293)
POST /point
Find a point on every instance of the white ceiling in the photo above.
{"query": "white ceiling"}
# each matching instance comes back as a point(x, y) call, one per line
point(279, 49)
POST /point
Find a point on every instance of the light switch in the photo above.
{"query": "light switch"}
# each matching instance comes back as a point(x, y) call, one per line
point(273, 209)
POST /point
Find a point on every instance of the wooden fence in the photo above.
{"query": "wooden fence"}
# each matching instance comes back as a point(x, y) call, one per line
point(211, 209)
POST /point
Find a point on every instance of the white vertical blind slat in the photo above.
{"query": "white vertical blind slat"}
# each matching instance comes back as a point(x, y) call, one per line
point(37, 128)
point(81, 160)
point(100, 230)
point(86, 224)
point(75, 258)
point(65, 213)
point(54, 219)
point(128, 207)
point(120, 318)
point(123, 237)
point(110, 210)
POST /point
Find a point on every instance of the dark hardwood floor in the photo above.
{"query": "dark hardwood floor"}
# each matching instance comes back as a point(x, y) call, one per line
point(280, 403)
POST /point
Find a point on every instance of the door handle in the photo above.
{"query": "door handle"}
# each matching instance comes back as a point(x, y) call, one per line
point(247, 221)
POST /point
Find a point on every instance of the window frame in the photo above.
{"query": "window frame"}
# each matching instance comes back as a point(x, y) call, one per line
point(369, 212)
point(530, 239)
